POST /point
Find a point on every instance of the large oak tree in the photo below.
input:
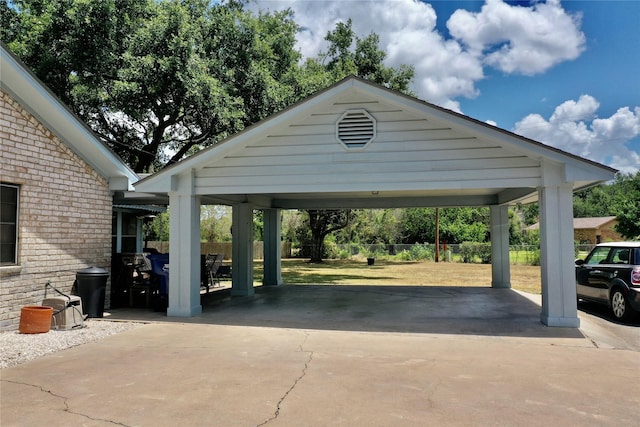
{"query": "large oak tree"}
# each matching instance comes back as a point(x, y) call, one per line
point(160, 79)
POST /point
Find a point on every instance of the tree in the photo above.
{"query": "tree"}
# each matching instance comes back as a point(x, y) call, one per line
point(349, 54)
point(593, 202)
point(158, 80)
point(322, 223)
point(371, 226)
point(627, 205)
point(457, 225)
point(215, 223)
point(620, 198)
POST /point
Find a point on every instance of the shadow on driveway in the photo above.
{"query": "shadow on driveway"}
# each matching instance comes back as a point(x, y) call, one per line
point(404, 309)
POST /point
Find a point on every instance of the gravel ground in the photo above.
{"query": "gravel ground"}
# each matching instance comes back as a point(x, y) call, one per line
point(16, 348)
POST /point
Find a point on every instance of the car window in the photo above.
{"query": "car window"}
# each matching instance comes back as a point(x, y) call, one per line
point(620, 256)
point(598, 255)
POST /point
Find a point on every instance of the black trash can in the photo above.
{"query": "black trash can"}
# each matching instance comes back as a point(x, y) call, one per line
point(91, 286)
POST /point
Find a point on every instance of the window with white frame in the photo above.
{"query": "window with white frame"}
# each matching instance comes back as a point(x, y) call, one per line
point(9, 195)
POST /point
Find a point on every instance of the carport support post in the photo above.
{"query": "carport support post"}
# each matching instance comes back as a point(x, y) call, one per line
point(500, 267)
point(242, 258)
point(184, 248)
point(559, 304)
point(272, 248)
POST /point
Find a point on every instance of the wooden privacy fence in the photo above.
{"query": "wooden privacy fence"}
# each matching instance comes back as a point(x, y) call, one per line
point(223, 248)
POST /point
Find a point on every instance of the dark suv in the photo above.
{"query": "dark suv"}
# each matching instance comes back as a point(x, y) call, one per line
point(611, 275)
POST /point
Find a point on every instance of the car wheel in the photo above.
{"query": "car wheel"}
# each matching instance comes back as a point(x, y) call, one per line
point(619, 305)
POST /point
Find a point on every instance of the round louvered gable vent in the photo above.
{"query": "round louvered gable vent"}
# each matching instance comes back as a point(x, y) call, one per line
point(356, 129)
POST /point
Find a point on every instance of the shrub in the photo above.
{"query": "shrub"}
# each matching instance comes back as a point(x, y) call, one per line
point(417, 252)
point(534, 257)
point(472, 250)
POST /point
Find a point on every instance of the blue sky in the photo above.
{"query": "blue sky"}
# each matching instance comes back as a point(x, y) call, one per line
point(565, 73)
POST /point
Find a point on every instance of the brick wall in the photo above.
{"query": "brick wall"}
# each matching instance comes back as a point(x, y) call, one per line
point(590, 235)
point(608, 234)
point(65, 212)
point(584, 235)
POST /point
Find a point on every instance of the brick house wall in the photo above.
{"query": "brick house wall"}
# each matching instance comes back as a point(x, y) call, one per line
point(65, 212)
point(606, 232)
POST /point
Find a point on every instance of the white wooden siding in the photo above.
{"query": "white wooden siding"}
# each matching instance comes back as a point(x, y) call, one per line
point(409, 152)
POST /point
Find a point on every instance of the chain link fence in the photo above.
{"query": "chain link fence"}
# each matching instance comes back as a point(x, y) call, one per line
point(518, 254)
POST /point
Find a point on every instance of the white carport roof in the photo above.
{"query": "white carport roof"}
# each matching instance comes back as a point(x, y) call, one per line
point(23, 86)
point(360, 145)
point(420, 155)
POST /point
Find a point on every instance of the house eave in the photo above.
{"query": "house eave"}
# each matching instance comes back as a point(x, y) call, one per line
point(23, 86)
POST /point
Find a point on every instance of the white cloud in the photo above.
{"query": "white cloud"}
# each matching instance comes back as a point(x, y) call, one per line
point(407, 30)
point(515, 39)
point(532, 39)
point(574, 127)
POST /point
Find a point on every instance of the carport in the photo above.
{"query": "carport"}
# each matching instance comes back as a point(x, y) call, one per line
point(360, 145)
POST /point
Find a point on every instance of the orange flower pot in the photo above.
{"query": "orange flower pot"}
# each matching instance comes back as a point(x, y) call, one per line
point(35, 319)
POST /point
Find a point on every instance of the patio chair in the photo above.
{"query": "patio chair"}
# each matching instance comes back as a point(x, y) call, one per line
point(140, 281)
point(213, 263)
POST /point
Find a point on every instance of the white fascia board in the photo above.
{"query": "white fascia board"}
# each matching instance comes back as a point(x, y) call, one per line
point(580, 172)
point(158, 183)
point(23, 86)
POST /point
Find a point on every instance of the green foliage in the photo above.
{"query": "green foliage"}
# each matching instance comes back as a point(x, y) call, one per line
point(159, 227)
point(418, 252)
point(471, 251)
point(620, 198)
point(342, 60)
point(152, 77)
point(321, 224)
point(366, 60)
point(158, 80)
point(594, 202)
point(627, 201)
point(456, 225)
point(525, 254)
point(369, 226)
point(215, 223)
point(530, 213)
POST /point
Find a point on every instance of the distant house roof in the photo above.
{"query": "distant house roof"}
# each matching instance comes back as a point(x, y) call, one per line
point(23, 86)
point(596, 222)
point(584, 223)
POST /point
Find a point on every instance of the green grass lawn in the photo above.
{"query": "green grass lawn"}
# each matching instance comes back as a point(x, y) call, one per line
point(390, 272)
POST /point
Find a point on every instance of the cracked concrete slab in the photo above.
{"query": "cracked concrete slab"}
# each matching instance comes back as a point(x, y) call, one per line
point(331, 369)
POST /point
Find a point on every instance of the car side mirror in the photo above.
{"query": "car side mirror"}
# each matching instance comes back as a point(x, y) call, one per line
point(579, 262)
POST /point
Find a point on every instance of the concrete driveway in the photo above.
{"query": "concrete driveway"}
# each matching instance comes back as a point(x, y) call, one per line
point(334, 355)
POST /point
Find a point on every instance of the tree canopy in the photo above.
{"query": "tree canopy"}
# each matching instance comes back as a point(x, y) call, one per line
point(158, 80)
point(621, 199)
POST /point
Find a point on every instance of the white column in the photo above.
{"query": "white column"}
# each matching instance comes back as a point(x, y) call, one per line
point(184, 249)
point(272, 248)
point(139, 235)
point(242, 262)
point(119, 232)
point(559, 305)
point(500, 266)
